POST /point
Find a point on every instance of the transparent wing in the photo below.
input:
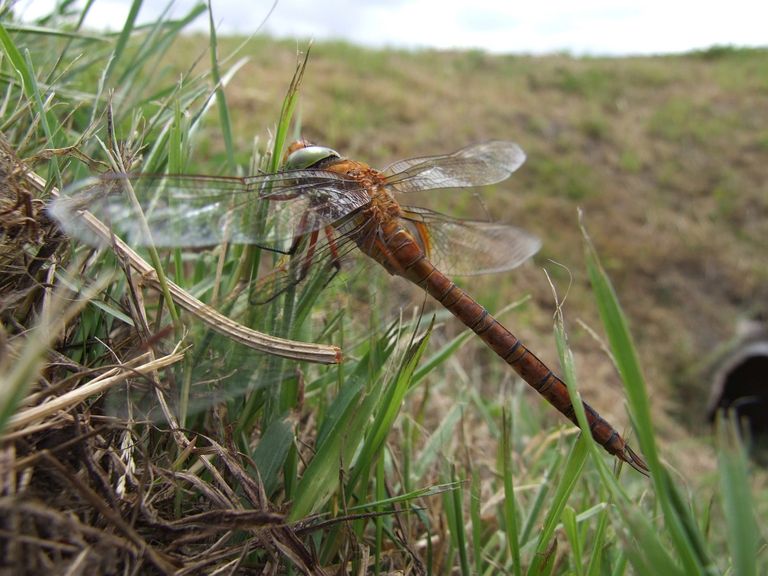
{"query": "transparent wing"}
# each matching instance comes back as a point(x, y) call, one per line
point(478, 165)
point(469, 247)
point(195, 211)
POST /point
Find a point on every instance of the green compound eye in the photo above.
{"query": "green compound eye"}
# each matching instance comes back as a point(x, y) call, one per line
point(304, 158)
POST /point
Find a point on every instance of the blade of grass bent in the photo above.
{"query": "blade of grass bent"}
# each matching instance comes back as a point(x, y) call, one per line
point(565, 486)
point(738, 506)
point(217, 321)
point(683, 529)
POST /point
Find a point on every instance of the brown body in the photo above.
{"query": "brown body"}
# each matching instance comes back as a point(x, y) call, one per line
point(386, 240)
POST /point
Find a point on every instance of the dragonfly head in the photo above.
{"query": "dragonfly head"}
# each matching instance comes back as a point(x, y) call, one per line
point(309, 157)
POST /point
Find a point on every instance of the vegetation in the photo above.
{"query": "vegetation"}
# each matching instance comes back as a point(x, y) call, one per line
point(135, 438)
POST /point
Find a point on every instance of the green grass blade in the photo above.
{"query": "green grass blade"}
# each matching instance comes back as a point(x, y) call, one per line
point(269, 456)
point(342, 431)
point(17, 61)
point(443, 354)
point(120, 46)
point(571, 529)
point(569, 376)
point(649, 555)
point(286, 113)
point(142, 64)
point(52, 32)
point(381, 492)
point(321, 477)
point(684, 532)
point(540, 499)
point(390, 502)
point(566, 485)
point(458, 525)
point(388, 409)
point(510, 507)
point(477, 521)
point(250, 256)
point(22, 64)
point(738, 505)
point(225, 123)
point(437, 441)
point(47, 121)
point(623, 351)
point(595, 560)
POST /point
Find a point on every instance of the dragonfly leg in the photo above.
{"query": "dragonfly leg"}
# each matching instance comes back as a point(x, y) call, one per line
point(310, 254)
point(303, 267)
point(299, 237)
point(284, 270)
point(335, 260)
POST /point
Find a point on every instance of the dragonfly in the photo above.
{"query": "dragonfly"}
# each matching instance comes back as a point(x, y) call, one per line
point(325, 206)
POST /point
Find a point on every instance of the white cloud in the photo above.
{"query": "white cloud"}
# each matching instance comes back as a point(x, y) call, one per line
point(590, 26)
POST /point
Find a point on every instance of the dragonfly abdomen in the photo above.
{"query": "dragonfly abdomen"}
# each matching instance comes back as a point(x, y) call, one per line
point(417, 268)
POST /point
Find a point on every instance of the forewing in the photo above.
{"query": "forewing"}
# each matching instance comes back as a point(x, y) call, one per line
point(196, 211)
point(469, 247)
point(478, 165)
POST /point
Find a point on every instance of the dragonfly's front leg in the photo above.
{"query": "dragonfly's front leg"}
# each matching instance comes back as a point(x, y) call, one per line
point(291, 273)
point(335, 261)
point(313, 238)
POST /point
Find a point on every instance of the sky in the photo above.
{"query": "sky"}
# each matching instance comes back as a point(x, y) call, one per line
point(584, 27)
